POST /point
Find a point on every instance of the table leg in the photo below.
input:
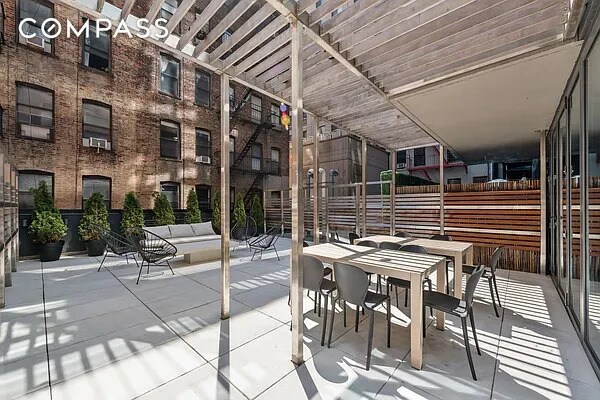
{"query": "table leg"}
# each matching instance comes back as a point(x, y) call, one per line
point(469, 256)
point(458, 267)
point(416, 321)
point(440, 316)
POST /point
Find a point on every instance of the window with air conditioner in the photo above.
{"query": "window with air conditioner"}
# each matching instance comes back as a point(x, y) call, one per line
point(96, 125)
point(35, 112)
point(96, 184)
point(169, 75)
point(202, 146)
point(170, 145)
point(30, 180)
point(38, 11)
point(96, 49)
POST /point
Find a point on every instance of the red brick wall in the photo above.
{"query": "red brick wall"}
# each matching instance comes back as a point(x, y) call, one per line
point(137, 108)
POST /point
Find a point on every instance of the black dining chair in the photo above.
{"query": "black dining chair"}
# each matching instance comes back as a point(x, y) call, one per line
point(327, 271)
point(352, 237)
point(403, 234)
point(490, 274)
point(370, 243)
point(390, 246)
point(459, 308)
point(353, 287)
point(403, 283)
point(449, 260)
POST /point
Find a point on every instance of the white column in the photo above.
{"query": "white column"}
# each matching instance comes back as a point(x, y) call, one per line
point(442, 179)
point(296, 179)
point(364, 186)
point(393, 194)
point(313, 126)
point(225, 200)
point(543, 205)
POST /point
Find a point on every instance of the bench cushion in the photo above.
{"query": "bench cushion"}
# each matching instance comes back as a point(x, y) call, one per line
point(180, 231)
point(203, 228)
point(162, 231)
point(194, 239)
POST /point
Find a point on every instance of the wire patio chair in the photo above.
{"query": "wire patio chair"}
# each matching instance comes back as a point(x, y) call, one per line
point(152, 249)
point(116, 244)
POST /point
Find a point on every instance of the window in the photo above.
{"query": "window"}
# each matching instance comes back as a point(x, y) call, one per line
point(167, 10)
point(256, 108)
point(401, 159)
point(1, 120)
point(202, 146)
point(203, 88)
point(480, 179)
point(231, 98)
point(419, 156)
point(201, 35)
point(29, 180)
point(231, 149)
point(96, 184)
point(275, 155)
point(96, 49)
point(169, 140)
point(96, 125)
point(275, 116)
point(450, 157)
point(256, 157)
point(169, 75)
point(231, 198)
point(454, 181)
point(171, 190)
point(203, 193)
point(38, 10)
point(35, 112)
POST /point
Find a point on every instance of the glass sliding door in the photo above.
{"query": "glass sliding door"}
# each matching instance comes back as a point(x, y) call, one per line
point(562, 203)
point(574, 205)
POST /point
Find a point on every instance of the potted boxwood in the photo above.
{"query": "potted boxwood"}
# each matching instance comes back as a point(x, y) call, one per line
point(256, 212)
point(163, 212)
point(193, 214)
point(133, 215)
point(239, 212)
point(94, 220)
point(47, 227)
point(216, 213)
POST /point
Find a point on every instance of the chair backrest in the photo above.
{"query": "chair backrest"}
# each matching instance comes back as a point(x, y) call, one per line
point(402, 234)
point(251, 227)
point(353, 236)
point(115, 242)
point(495, 258)
point(150, 246)
point(413, 248)
point(389, 246)
point(472, 285)
point(441, 237)
point(352, 283)
point(368, 243)
point(312, 273)
point(304, 244)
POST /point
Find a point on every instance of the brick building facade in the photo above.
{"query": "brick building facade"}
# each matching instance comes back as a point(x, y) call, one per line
point(130, 93)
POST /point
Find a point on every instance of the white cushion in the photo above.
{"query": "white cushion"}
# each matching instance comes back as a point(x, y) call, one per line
point(194, 239)
point(162, 231)
point(203, 228)
point(178, 231)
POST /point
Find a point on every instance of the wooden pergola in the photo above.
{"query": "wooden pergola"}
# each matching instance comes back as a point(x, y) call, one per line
point(348, 62)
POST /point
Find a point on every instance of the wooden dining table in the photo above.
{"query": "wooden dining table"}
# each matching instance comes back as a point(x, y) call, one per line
point(400, 264)
point(461, 252)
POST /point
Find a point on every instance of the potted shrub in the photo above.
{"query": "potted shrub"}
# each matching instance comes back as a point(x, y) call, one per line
point(256, 212)
point(163, 212)
point(192, 214)
point(133, 215)
point(47, 227)
point(216, 213)
point(239, 212)
point(95, 219)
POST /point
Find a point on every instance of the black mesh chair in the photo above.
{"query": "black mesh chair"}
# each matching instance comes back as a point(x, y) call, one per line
point(267, 241)
point(490, 274)
point(370, 243)
point(390, 246)
point(403, 234)
point(153, 249)
point(459, 308)
point(352, 237)
point(353, 287)
point(244, 233)
point(327, 271)
point(116, 244)
point(449, 260)
point(403, 283)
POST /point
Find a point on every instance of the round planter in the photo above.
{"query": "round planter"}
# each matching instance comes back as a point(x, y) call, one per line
point(95, 248)
point(51, 251)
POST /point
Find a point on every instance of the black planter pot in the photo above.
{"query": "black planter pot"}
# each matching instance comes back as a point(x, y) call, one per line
point(51, 251)
point(95, 248)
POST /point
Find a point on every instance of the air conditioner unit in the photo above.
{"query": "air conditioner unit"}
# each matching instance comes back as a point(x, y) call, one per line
point(96, 143)
point(37, 41)
point(401, 165)
point(203, 159)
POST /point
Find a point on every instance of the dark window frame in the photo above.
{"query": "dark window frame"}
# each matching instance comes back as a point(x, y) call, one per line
point(178, 186)
point(253, 157)
point(177, 29)
point(46, 3)
point(160, 74)
point(207, 103)
point(422, 158)
point(84, 46)
point(454, 181)
point(110, 116)
point(99, 178)
point(178, 158)
point(35, 172)
point(18, 124)
point(209, 147)
point(204, 206)
point(1, 120)
point(480, 179)
point(272, 161)
point(278, 114)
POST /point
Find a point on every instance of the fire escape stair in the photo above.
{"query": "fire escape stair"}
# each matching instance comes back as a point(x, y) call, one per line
point(263, 127)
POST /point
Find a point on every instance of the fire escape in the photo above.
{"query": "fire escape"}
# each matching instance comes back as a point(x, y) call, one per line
point(261, 167)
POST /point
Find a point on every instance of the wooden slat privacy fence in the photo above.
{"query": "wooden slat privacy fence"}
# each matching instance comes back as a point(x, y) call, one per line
point(487, 215)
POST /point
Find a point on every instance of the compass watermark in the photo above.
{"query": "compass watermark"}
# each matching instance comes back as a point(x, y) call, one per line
point(52, 28)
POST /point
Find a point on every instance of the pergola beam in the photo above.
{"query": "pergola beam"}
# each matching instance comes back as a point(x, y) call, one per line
point(100, 5)
point(182, 10)
point(154, 10)
point(225, 199)
point(210, 10)
point(127, 9)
